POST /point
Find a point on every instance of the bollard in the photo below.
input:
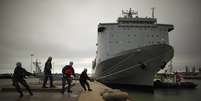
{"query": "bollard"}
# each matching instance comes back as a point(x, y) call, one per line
point(114, 95)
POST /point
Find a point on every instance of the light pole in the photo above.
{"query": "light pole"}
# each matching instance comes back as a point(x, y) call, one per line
point(31, 61)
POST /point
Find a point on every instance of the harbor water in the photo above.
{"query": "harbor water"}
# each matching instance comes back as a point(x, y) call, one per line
point(168, 94)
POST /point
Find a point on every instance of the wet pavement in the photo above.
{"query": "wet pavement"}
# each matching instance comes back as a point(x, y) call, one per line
point(8, 93)
point(38, 96)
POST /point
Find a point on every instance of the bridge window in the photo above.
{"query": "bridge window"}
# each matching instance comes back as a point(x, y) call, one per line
point(101, 29)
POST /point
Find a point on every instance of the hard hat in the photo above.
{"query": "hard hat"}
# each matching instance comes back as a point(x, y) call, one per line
point(18, 64)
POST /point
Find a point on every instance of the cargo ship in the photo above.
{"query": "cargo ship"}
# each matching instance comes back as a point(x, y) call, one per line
point(132, 50)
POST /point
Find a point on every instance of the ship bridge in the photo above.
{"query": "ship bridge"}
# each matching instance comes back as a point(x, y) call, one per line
point(136, 20)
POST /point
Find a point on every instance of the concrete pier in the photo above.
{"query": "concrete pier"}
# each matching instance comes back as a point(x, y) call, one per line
point(8, 92)
point(95, 94)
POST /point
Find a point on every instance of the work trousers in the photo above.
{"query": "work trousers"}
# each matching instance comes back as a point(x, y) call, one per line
point(83, 83)
point(46, 77)
point(69, 81)
point(24, 83)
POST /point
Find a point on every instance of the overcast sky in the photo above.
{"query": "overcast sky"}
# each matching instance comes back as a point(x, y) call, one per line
point(67, 29)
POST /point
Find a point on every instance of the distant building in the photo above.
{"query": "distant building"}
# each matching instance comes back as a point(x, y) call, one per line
point(187, 69)
point(193, 69)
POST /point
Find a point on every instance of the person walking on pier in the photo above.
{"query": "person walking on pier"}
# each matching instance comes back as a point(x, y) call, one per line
point(18, 77)
point(178, 78)
point(48, 73)
point(83, 80)
point(68, 72)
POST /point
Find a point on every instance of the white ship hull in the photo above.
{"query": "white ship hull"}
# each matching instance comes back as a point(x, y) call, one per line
point(134, 67)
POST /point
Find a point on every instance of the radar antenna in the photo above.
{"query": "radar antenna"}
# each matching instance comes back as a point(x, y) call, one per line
point(129, 13)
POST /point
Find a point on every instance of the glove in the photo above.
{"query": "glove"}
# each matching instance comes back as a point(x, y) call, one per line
point(92, 79)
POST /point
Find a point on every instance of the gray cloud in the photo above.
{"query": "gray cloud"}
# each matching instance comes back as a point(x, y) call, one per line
point(67, 28)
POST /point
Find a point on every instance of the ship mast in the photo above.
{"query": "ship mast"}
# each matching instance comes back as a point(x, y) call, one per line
point(153, 9)
point(129, 13)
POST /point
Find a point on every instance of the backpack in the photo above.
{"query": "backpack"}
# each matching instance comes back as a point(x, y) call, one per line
point(68, 71)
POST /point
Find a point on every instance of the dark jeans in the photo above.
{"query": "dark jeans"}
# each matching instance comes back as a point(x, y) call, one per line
point(83, 83)
point(24, 83)
point(69, 81)
point(49, 76)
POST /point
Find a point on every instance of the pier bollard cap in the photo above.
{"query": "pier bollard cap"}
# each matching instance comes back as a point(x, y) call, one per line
point(114, 95)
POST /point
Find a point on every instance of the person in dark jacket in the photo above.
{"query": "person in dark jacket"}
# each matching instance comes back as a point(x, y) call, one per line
point(83, 80)
point(48, 73)
point(68, 72)
point(18, 77)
